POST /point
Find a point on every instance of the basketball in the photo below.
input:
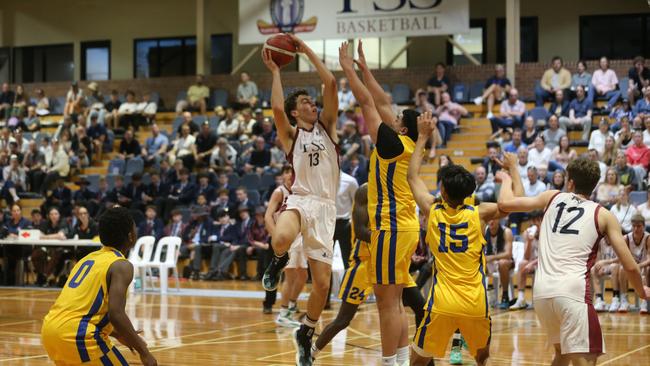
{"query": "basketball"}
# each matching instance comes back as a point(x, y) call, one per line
point(282, 49)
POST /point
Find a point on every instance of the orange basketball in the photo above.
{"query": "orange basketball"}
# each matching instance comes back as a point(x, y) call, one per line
point(282, 49)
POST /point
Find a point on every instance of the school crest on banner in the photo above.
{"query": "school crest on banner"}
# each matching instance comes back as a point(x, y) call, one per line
point(287, 18)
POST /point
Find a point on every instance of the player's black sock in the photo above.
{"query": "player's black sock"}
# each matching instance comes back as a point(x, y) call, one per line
point(307, 328)
point(457, 341)
point(599, 296)
point(504, 296)
point(616, 293)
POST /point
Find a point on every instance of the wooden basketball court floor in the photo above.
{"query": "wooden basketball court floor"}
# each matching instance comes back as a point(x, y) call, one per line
point(224, 327)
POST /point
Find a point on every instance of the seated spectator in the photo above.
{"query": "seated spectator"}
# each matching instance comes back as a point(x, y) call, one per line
point(221, 204)
point(625, 174)
point(642, 106)
point(422, 103)
point(49, 264)
point(170, 175)
point(598, 137)
point(14, 253)
point(32, 122)
point(624, 211)
point(81, 149)
point(118, 194)
point(15, 180)
point(242, 247)
point(511, 113)
point(529, 132)
point(34, 162)
point(241, 199)
point(183, 192)
point(350, 143)
point(155, 192)
point(127, 113)
point(57, 168)
point(206, 143)
point(522, 162)
point(42, 103)
point(95, 101)
point(491, 162)
point(604, 84)
point(594, 156)
point(484, 189)
point(6, 101)
point(183, 148)
point(224, 156)
point(247, 94)
point(557, 181)
point(620, 111)
point(495, 90)
point(188, 121)
point(533, 186)
point(554, 79)
point(580, 110)
point(146, 110)
point(247, 123)
point(260, 157)
point(346, 99)
point(279, 158)
point(226, 236)
point(74, 100)
point(449, 114)
point(151, 226)
point(205, 188)
point(197, 96)
point(229, 126)
point(268, 132)
point(438, 84)
point(111, 118)
point(155, 147)
point(539, 154)
point(129, 146)
point(98, 136)
point(67, 125)
point(498, 257)
point(84, 228)
point(643, 209)
point(581, 77)
point(609, 154)
point(357, 170)
point(503, 137)
point(639, 76)
point(560, 106)
point(259, 241)
point(562, 154)
point(553, 133)
point(176, 226)
point(638, 156)
point(197, 236)
point(134, 192)
point(608, 192)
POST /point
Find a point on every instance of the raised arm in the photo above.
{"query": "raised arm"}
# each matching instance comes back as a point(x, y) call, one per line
point(509, 203)
point(612, 229)
point(382, 100)
point(360, 214)
point(361, 93)
point(423, 198)
point(286, 132)
point(329, 114)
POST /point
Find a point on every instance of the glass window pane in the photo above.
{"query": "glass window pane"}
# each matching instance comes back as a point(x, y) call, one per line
point(319, 49)
point(221, 47)
point(97, 63)
point(59, 64)
point(371, 50)
point(389, 48)
point(142, 58)
point(472, 42)
point(332, 53)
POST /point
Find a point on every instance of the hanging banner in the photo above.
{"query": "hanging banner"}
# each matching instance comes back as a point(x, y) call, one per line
point(344, 19)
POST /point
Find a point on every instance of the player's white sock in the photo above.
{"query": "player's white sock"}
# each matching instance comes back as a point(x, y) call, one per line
point(521, 295)
point(292, 304)
point(284, 311)
point(403, 355)
point(314, 350)
point(309, 323)
point(388, 361)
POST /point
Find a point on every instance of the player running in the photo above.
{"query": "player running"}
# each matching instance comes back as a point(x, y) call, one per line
point(91, 305)
point(310, 210)
point(458, 296)
point(568, 243)
point(295, 273)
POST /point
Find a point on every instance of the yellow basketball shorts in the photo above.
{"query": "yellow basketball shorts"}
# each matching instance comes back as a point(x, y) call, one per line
point(432, 337)
point(65, 351)
point(390, 256)
point(112, 357)
point(356, 285)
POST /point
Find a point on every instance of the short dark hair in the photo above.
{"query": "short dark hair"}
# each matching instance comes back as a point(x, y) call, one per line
point(556, 58)
point(585, 174)
point(410, 121)
point(286, 168)
point(36, 211)
point(291, 103)
point(115, 226)
point(457, 182)
point(583, 62)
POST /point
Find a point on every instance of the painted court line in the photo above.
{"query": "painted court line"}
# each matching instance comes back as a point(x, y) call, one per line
point(624, 355)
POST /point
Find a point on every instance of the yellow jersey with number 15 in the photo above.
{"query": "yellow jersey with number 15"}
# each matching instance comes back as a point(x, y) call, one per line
point(391, 205)
point(455, 238)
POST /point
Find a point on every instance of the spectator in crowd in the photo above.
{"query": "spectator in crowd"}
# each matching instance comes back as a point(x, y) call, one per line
point(247, 123)
point(205, 188)
point(196, 237)
point(539, 154)
point(32, 122)
point(111, 118)
point(643, 209)
point(146, 110)
point(222, 255)
point(529, 132)
point(6, 101)
point(619, 112)
point(484, 189)
point(206, 143)
point(560, 106)
point(646, 131)
point(242, 247)
point(127, 113)
point(229, 126)
point(260, 157)
point(279, 158)
point(98, 135)
point(357, 170)
point(642, 106)
point(188, 121)
point(609, 154)
point(15, 180)
point(598, 137)
point(134, 192)
point(95, 101)
point(624, 211)
point(57, 168)
point(350, 143)
point(346, 98)
point(184, 148)
point(34, 162)
point(491, 162)
point(533, 186)
point(155, 192)
point(14, 253)
point(580, 110)
point(562, 154)
point(74, 100)
point(152, 225)
point(554, 79)
point(595, 157)
point(155, 147)
point(422, 103)
point(604, 84)
point(437, 84)
point(129, 146)
point(242, 200)
point(581, 77)
point(42, 103)
point(511, 113)
point(495, 90)
point(515, 143)
point(183, 192)
point(176, 226)
point(608, 192)
point(247, 94)
point(259, 241)
point(197, 96)
point(557, 181)
point(624, 172)
point(638, 156)
point(639, 77)
point(67, 125)
point(81, 149)
point(224, 155)
point(223, 203)
point(49, 264)
point(449, 114)
point(498, 256)
point(553, 133)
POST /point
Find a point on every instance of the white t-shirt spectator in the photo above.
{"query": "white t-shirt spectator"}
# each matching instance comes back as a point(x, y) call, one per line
point(624, 215)
point(346, 99)
point(183, 146)
point(644, 210)
point(147, 108)
point(532, 190)
point(523, 170)
point(127, 108)
point(216, 158)
point(597, 141)
point(225, 128)
point(539, 158)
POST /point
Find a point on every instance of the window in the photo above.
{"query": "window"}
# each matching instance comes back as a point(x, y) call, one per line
point(164, 57)
point(4, 63)
point(96, 60)
point(221, 53)
point(474, 42)
point(43, 63)
point(614, 36)
point(528, 43)
point(379, 52)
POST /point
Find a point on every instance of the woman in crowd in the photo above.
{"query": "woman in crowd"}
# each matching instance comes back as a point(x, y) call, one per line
point(530, 132)
point(563, 153)
point(644, 210)
point(623, 136)
point(557, 181)
point(609, 154)
point(624, 211)
point(608, 192)
point(85, 228)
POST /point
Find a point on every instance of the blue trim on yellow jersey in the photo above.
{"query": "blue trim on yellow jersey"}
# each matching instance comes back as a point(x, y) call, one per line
point(468, 207)
point(117, 253)
point(98, 334)
point(106, 361)
point(83, 326)
point(439, 207)
point(392, 249)
point(482, 271)
point(380, 195)
point(380, 247)
point(423, 331)
point(392, 203)
point(353, 271)
point(434, 281)
point(119, 356)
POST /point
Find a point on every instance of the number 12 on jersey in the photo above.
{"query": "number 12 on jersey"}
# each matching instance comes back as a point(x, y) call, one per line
point(454, 246)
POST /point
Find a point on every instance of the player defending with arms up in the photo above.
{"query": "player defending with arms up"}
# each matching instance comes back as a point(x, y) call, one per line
point(311, 209)
point(571, 229)
point(91, 305)
point(458, 296)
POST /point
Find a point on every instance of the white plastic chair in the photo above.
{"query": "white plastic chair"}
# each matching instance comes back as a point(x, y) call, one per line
point(172, 244)
point(145, 245)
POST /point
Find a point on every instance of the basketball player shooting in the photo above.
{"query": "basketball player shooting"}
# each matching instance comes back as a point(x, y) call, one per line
point(571, 229)
point(309, 140)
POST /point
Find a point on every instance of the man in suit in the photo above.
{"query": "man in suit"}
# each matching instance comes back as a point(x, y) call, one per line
point(134, 192)
point(152, 225)
point(61, 197)
point(205, 188)
point(86, 197)
point(182, 193)
point(196, 237)
point(155, 193)
point(226, 236)
point(243, 247)
point(241, 199)
point(357, 169)
point(176, 227)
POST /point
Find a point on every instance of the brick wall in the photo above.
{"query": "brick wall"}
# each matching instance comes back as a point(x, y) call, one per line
point(415, 77)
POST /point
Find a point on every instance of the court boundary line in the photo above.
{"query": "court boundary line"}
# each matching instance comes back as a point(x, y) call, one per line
point(624, 355)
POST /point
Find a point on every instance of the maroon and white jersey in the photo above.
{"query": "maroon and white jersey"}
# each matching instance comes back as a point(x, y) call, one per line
point(315, 161)
point(285, 194)
point(568, 245)
point(638, 249)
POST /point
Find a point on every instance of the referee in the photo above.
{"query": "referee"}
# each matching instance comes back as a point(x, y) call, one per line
point(344, 198)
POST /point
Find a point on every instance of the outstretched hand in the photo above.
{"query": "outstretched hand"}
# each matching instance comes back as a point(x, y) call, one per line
point(345, 59)
point(361, 62)
point(426, 123)
point(301, 47)
point(268, 61)
point(508, 161)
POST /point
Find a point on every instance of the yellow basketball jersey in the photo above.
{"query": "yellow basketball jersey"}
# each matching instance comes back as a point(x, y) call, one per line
point(391, 206)
point(455, 238)
point(78, 321)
